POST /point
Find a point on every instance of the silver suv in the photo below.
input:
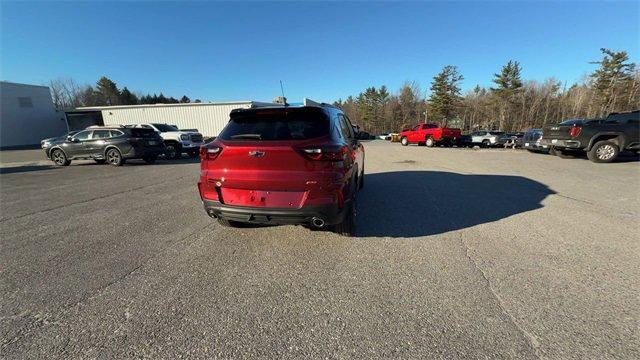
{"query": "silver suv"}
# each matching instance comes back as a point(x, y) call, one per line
point(485, 138)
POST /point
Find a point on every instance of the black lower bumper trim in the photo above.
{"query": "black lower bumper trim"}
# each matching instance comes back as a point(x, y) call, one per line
point(330, 214)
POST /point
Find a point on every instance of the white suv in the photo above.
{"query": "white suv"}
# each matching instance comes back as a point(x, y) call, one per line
point(177, 141)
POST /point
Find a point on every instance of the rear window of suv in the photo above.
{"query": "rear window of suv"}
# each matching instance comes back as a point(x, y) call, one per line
point(143, 133)
point(278, 124)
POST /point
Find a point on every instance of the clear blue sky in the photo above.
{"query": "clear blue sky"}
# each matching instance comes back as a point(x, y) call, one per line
point(227, 51)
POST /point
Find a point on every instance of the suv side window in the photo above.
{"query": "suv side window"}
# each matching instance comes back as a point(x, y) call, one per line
point(100, 134)
point(116, 133)
point(345, 128)
point(83, 135)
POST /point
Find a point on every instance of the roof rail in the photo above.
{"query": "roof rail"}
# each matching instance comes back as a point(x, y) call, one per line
point(106, 126)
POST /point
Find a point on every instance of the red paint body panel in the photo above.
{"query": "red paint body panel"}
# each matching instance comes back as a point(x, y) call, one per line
point(308, 175)
point(258, 198)
point(421, 131)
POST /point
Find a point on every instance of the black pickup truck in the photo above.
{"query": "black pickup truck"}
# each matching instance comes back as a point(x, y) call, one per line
point(602, 139)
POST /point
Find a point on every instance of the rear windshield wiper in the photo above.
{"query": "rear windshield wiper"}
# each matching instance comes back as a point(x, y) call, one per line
point(247, 136)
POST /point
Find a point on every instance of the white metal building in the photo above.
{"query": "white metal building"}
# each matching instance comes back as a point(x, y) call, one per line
point(208, 118)
point(27, 115)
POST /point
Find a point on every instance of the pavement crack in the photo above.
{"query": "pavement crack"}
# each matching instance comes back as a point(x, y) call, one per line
point(574, 199)
point(126, 275)
point(41, 321)
point(89, 200)
point(531, 339)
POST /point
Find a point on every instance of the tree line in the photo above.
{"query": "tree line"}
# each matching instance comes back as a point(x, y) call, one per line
point(511, 104)
point(68, 94)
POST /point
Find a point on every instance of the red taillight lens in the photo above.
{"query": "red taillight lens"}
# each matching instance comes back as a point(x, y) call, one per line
point(325, 153)
point(575, 131)
point(209, 152)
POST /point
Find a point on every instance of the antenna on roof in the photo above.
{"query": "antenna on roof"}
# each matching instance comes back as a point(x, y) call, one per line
point(282, 100)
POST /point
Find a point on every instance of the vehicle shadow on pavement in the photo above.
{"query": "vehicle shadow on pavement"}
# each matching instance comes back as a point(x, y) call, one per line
point(26, 168)
point(422, 203)
point(624, 157)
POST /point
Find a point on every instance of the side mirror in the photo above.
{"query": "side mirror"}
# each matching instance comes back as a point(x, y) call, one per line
point(72, 139)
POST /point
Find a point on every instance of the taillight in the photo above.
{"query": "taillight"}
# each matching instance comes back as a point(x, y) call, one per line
point(209, 152)
point(575, 131)
point(325, 153)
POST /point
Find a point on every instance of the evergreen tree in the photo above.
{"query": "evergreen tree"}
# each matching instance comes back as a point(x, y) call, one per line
point(612, 80)
point(88, 97)
point(107, 92)
point(509, 84)
point(197, 101)
point(184, 99)
point(445, 96)
point(127, 97)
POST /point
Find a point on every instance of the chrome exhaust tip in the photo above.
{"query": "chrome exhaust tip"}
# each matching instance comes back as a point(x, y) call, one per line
point(317, 222)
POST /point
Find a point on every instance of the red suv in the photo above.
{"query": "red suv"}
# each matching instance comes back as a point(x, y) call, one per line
point(284, 165)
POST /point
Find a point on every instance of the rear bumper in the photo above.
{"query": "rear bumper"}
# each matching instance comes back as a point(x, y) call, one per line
point(331, 214)
point(535, 146)
point(561, 143)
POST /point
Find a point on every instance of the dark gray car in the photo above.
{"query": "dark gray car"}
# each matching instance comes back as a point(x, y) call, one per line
point(106, 144)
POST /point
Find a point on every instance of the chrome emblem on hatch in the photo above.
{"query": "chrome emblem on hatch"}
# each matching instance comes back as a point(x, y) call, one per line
point(256, 153)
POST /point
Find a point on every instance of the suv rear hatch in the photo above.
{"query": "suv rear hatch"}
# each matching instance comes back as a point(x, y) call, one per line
point(266, 157)
point(141, 137)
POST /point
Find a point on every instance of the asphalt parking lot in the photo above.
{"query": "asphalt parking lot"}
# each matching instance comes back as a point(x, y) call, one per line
point(459, 253)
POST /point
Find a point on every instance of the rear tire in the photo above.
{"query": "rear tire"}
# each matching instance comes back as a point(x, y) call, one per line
point(114, 157)
point(603, 152)
point(59, 158)
point(430, 142)
point(172, 150)
point(485, 143)
point(404, 141)
point(348, 226)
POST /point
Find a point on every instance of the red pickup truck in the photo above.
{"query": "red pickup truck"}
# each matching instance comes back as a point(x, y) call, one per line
point(430, 135)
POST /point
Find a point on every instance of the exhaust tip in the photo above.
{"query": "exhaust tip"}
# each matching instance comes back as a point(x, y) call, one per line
point(317, 222)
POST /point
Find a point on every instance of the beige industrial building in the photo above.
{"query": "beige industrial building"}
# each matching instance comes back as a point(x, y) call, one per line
point(208, 118)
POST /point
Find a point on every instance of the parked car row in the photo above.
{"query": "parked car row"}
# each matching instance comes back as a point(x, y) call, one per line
point(601, 139)
point(115, 144)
